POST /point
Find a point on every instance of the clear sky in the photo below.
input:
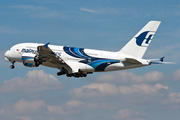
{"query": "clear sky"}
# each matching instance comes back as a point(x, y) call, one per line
point(148, 93)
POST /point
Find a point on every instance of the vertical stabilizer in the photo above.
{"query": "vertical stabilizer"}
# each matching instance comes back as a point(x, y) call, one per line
point(137, 46)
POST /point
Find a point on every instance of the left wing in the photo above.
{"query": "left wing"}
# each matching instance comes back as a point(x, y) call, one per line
point(44, 49)
point(48, 56)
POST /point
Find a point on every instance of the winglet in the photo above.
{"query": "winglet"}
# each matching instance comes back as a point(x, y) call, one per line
point(46, 45)
point(162, 59)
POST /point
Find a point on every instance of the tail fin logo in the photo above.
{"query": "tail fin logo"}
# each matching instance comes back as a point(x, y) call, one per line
point(144, 38)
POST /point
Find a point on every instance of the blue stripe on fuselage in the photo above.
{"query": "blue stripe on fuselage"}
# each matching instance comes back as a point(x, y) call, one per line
point(99, 64)
point(96, 63)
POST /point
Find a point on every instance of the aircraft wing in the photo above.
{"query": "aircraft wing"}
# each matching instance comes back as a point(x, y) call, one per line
point(49, 57)
point(46, 54)
point(44, 50)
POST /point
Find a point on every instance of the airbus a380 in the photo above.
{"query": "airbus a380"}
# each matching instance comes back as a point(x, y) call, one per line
point(78, 62)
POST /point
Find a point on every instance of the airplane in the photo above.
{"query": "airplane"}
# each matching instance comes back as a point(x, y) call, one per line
point(78, 62)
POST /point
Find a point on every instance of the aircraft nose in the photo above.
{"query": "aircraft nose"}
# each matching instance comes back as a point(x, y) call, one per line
point(7, 55)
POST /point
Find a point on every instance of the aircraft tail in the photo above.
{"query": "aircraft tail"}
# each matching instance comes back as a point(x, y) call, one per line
point(137, 46)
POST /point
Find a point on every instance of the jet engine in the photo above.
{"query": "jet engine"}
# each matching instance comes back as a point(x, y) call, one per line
point(31, 60)
point(29, 64)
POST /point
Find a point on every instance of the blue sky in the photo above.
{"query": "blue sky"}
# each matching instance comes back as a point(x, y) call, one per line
point(139, 94)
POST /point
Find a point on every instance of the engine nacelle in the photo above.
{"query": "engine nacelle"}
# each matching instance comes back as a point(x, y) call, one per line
point(29, 64)
point(28, 58)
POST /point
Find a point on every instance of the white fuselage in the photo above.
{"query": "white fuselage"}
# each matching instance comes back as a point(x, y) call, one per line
point(107, 61)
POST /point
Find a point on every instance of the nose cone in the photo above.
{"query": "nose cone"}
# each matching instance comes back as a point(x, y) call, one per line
point(7, 55)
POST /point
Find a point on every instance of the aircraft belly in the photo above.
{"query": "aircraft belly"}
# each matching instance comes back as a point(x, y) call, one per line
point(114, 67)
point(121, 66)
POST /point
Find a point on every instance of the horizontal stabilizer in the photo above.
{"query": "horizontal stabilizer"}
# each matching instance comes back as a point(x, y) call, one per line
point(160, 61)
point(163, 63)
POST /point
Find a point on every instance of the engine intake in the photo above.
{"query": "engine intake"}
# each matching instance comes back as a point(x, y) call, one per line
point(31, 60)
point(28, 57)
